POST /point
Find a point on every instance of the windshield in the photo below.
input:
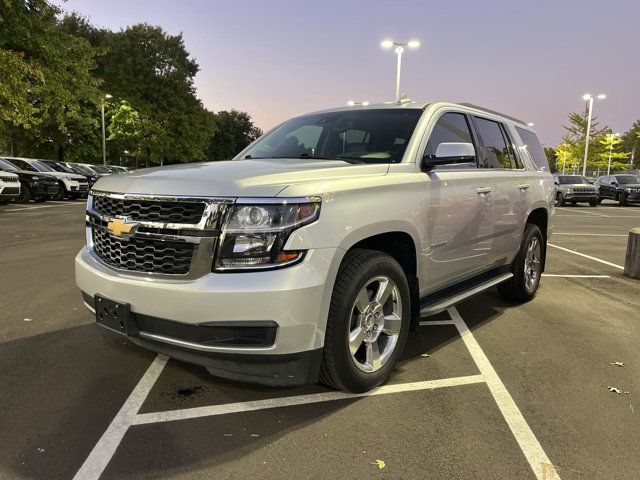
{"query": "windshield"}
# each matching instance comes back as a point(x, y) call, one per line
point(99, 168)
point(627, 179)
point(571, 179)
point(7, 167)
point(41, 167)
point(79, 169)
point(363, 136)
point(59, 167)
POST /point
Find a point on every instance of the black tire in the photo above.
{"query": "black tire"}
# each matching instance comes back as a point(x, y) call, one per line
point(593, 203)
point(573, 202)
point(61, 192)
point(559, 199)
point(338, 369)
point(25, 195)
point(41, 199)
point(599, 201)
point(622, 200)
point(515, 289)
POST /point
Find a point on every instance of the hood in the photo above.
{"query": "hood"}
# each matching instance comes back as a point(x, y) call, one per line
point(74, 176)
point(233, 178)
point(28, 175)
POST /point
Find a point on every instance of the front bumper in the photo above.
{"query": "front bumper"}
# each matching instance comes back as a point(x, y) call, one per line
point(581, 197)
point(294, 299)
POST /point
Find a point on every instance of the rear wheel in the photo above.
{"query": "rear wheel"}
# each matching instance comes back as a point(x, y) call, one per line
point(527, 267)
point(368, 322)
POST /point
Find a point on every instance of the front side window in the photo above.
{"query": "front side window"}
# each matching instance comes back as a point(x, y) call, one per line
point(450, 128)
point(533, 146)
point(497, 151)
point(360, 136)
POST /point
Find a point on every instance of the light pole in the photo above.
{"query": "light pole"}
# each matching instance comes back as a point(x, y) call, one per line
point(104, 137)
point(589, 97)
point(400, 46)
point(611, 137)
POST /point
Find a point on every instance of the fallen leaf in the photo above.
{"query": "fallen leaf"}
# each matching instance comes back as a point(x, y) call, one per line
point(254, 435)
point(41, 450)
point(618, 364)
point(27, 319)
point(380, 463)
point(618, 391)
point(425, 355)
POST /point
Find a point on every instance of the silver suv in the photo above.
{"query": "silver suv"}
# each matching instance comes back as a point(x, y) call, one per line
point(313, 253)
point(573, 189)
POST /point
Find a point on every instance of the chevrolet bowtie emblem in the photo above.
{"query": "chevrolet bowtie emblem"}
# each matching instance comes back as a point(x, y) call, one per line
point(120, 227)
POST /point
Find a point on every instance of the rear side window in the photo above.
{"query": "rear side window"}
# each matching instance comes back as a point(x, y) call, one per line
point(534, 148)
point(496, 148)
point(450, 127)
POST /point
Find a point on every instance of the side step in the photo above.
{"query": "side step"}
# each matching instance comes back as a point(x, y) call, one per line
point(440, 301)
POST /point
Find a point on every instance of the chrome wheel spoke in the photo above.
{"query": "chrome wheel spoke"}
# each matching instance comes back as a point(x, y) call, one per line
point(392, 324)
point(373, 356)
point(356, 337)
point(385, 288)
point(362, 300)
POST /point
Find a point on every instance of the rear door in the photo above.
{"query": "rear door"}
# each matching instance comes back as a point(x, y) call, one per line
point(459, 207)
point(511, 184)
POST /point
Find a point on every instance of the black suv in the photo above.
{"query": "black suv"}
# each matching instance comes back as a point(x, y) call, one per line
point(33, 186)
point(623, 188)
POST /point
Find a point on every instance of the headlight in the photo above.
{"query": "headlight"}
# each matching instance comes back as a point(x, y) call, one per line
point(627, 189)
point(254, 235)
point(71, 179)
point(569, 190)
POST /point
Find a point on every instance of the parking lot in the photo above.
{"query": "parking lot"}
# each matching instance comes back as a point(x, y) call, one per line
point(486, 390)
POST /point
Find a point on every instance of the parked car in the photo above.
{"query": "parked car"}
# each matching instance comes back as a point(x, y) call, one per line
point(92, 177)
point(574, 189)
point(71, 185)
point(100, 170)
point(33, 186)
point(9, 187)
point(311, 254)
point(623, 188)
point(117, 169)
point(63, 167)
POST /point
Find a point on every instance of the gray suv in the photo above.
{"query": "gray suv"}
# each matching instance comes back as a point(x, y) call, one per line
point(574, 189)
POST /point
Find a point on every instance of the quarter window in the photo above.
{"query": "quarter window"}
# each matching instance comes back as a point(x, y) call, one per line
point(534, 148)
point(450, 127)
point(497, 151)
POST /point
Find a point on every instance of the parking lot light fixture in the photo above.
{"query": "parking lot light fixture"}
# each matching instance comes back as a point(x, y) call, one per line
point(104, 137)
point(400, 46)
point(364, 103)
point(530, 124)
point(589, 98)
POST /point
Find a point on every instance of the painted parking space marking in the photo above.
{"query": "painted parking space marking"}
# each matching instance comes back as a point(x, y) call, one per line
point(61, 204)
point(565, 209)
point(104, 450)
point(557, 275)
point(128, 415)
point(595, 259)
point(591, 234)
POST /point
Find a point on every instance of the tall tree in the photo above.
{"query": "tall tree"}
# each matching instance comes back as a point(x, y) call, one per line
point(611, 152)
point(631, 143)
point(48, 97)
point(576, 136)
point(235, 131)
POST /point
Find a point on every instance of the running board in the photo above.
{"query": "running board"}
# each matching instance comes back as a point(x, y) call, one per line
point(438, 302)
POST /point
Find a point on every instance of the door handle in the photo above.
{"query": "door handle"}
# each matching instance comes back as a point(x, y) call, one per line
point(523, 186)
point(483, 190)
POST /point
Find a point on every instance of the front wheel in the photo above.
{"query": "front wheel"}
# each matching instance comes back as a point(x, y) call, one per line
point(25, 195)
point(61, 192)
point(527, 267)
point(622, 200)
point(368, 322)
point(593, 203)
point(559, 199)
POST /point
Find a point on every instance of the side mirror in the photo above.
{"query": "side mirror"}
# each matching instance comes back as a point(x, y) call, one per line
point(449, 153)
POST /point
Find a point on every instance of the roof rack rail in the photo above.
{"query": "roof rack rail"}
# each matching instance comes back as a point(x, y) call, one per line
point(471, 105)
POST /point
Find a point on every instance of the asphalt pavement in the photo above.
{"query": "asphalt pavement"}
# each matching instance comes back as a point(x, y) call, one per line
point(523, 385)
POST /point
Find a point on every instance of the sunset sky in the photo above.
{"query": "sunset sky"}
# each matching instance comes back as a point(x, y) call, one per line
point(533, 60)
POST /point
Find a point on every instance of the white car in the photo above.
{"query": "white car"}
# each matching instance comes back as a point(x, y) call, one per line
point(9, 187)
point(71, 185)
point(311, 254)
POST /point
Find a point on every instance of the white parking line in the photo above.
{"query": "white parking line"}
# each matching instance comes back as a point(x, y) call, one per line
point(574, 276)
point(595, 259)
point(591, 234)
point(102, 453)
point(565, 209)
point(61, 204)
point(239, 407)
point(537, 458)
point(128, 415)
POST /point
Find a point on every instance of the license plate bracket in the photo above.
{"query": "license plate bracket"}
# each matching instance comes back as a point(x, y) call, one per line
point(115, 315)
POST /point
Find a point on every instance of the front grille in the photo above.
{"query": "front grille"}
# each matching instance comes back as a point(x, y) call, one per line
point(143, 254)
point(8, 179)
point(150, 210)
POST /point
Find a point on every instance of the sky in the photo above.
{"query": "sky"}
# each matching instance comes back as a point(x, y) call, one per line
point(532, 60)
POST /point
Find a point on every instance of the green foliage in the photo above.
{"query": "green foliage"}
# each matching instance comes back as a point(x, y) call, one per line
point(48, 97)
point(576, 137)
point(55, 72)
point(611, 150)
point(568, 156)
point(235, 131)
point(631, 142)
